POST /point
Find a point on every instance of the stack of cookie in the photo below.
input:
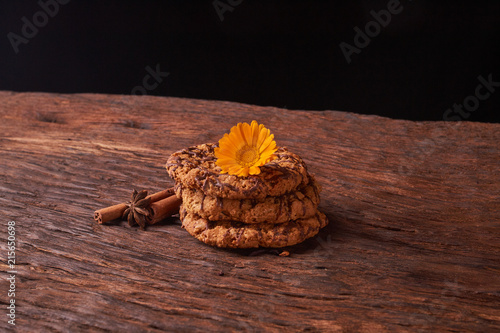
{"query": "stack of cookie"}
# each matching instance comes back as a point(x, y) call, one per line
point(275, 208)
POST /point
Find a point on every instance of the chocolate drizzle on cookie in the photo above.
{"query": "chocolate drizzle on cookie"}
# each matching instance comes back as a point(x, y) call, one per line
point(220, 203)
point(202, 201)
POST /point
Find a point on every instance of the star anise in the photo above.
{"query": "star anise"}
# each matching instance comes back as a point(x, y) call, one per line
point(138, 209)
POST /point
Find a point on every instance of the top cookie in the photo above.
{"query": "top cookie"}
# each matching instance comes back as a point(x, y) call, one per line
point(195, 167)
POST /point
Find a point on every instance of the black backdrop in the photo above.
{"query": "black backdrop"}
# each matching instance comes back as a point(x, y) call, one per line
point(283, 53)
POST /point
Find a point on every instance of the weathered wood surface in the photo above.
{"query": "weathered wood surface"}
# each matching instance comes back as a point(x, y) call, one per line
point(413, 243)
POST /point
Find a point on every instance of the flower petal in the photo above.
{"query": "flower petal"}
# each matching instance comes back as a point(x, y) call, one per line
point(255, 133)
point(267, 142)
point(263, 134)
point(255, 170)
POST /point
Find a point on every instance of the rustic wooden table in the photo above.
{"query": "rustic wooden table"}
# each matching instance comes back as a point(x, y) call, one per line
point(413, 242)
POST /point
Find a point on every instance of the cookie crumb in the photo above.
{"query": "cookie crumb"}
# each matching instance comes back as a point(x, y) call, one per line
point(284, 254)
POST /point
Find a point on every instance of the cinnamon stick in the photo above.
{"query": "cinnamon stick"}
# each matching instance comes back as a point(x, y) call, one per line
point(161, 195)
point(115, 212)
point(164, 208)
point(109, 213)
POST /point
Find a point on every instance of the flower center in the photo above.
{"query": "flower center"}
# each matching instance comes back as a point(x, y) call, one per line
point(247, 156)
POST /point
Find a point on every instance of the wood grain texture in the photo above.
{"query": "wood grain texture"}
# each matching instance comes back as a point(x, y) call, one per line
point(413, 242)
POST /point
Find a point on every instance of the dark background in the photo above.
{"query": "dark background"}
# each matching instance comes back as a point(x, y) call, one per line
point(277, 53)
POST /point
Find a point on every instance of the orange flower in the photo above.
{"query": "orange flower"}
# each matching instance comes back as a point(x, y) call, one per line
point(245, 149)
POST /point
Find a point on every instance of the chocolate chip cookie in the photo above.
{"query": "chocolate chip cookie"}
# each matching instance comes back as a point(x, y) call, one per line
point(195, 168)
point(291, 206)
point(232, 234)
